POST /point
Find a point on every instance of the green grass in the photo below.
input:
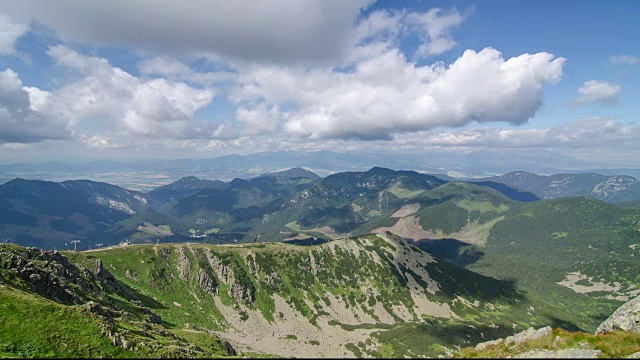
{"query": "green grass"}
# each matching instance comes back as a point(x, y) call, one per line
point(482, 206)
point(35, 327)
point(613, 345)
point(404, 193)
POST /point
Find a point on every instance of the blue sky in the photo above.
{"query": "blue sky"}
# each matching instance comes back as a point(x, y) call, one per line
point(83, 80)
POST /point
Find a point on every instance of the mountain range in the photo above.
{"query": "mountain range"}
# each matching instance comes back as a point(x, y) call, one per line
point(612, 188)
point(362, 263)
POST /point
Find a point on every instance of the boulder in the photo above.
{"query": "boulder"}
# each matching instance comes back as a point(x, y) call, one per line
point(625, 318)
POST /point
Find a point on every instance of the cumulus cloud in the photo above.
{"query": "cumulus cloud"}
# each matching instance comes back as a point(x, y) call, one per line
point(10, 32)
point(259, 119)
point(624, 60)
point(323, 73)
point(273, 31)
point(20, 120)
point(387, 94)
point(111, 99)
point(437, 25)
point(602, 92)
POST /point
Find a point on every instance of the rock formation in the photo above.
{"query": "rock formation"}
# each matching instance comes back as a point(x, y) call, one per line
point(625, 318)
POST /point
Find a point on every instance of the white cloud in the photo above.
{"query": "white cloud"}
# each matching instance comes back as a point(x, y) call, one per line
point(259, 119)
point(624, 59)
point(177, 71)
point(361, 87)
point(387, 94)
point(20, 122)
point(585, 133)
point(10, 32)
point(602, 92)
point(614, 142)
point(103, 142)
point(109, 99)
point(281, 31)
point(437, 26)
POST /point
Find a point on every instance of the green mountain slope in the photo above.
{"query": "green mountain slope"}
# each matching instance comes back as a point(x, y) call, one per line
point(53, 307)
point(373, 294)
point(48, 214)
point(182, 188)
point(577, 253)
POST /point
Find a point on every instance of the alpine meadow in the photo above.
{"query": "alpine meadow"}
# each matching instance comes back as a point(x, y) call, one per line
point(319, 179)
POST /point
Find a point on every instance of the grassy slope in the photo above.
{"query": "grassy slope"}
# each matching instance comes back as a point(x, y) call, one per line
point(36, 327)
point(537, 245)
point(152, 270)
point(617, 344)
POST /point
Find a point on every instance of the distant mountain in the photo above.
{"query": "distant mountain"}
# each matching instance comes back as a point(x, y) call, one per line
point(184, 187)
point(610, 188)
point(43, 212)
point(293, 173)
point(510, 191)
point(286, 204)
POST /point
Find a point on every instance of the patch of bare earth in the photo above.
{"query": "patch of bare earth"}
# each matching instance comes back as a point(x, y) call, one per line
point(615, 289)
point(406, 210)
point(291, 334)
point(409, 228)
point(154, 230)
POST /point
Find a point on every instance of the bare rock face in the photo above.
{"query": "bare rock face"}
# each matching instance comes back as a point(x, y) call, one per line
point(625, 318)
point(229, 349)
point(184, 264)
point(242, 293)
point(207, 282)
point(109, 282)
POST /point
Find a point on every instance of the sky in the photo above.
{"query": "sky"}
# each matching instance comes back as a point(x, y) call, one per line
point(150, 79)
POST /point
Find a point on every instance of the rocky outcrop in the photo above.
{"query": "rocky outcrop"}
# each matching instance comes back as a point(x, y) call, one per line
point(153, 317)
point(231, 272)
point(48, 274)
point(184, 264)
point(519, 338)
point(222, 271)
point(229, 349)
point(207, 282)
point(109, 282)
point(625, 318)
point(243, 293)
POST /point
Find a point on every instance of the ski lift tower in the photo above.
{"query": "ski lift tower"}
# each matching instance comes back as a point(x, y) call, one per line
point(75, 244)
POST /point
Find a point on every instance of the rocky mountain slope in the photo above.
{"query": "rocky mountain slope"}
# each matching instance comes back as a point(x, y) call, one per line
point(374, 295)
point(610, 188)
point(51, 306)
